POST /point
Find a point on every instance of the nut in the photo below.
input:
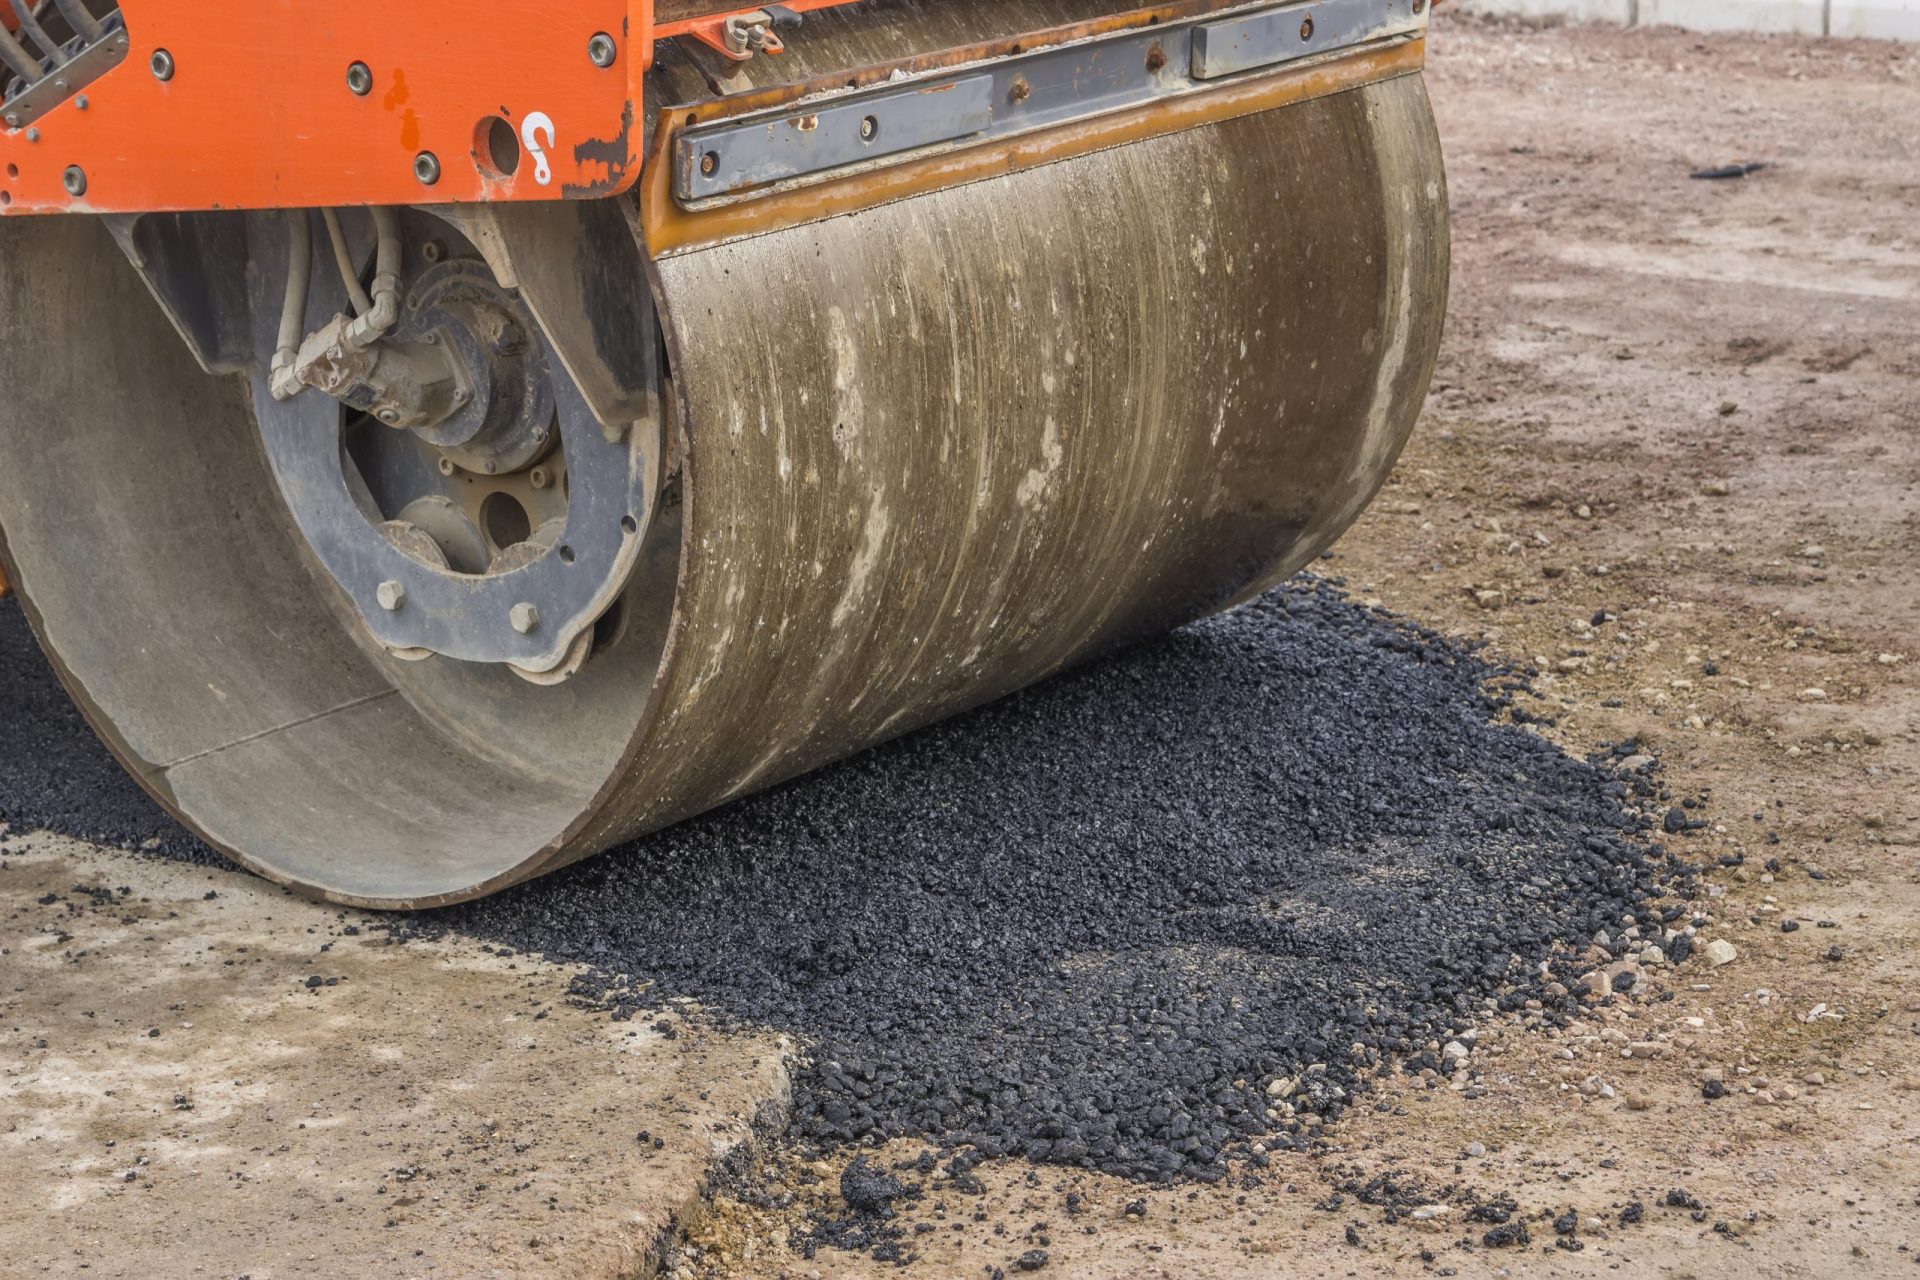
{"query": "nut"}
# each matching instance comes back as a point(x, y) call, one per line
point(524, 617)
point(391, 594)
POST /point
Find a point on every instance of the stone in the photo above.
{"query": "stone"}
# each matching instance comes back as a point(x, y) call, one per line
point(1720, 952)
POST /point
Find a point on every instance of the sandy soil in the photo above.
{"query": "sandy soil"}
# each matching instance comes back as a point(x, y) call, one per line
point(202, 1075)
point(1691, 410)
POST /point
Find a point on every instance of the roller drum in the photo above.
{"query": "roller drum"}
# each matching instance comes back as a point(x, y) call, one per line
point(923, 455)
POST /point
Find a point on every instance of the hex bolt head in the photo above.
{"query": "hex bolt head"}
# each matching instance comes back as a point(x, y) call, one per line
point(524, 617)
point(426, 167)
point(601, 50)
point(539, 478)
point(359, 79)
point(446, 466)
point(391, 594)
point(74, 180)
point(161, 64)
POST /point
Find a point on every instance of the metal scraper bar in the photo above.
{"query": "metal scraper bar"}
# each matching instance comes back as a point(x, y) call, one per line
point(848, 131)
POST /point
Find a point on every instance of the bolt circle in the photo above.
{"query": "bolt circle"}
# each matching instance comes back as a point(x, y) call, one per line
point(601, 50)
point(360, 79)
point(74, 180)
point(524, 617)
point(391, 594)
point(161, 64)
point(426, 167)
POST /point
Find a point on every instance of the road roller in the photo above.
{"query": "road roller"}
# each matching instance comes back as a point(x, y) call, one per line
point(442, 440)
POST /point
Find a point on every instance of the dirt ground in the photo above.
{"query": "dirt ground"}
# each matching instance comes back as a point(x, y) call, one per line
point(1671, 458)
point(206, 1076)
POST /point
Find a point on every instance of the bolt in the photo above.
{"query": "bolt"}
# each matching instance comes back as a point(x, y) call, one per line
point(33, 135)
point(388, 416)
point(433, 251)
point(524, 617)
point(426, 167)
point(601, 50)
point(1156, 58)
point(1020, 91)
point(709, 162)
point(13, 119)
point(1306, 28)
point(391, 594)
point(80, 103)
point(538, 477)
point(161, 64)
point(359, 79)
point(446, 466)
point(74, 180)
point(869, 128)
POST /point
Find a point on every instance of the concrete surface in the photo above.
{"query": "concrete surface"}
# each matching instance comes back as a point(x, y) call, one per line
point(177, 1100)
point(1855, 19)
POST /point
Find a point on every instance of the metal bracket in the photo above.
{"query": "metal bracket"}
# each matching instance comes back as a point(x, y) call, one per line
point(845, 131)
point(78, 65)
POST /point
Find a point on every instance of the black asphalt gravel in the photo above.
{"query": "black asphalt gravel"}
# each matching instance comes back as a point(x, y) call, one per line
point(1092, 923)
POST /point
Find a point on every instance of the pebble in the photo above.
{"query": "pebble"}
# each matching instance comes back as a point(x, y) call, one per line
point(1720, 952)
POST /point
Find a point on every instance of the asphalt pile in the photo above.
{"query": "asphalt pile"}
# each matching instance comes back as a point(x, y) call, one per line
point(1136, 919)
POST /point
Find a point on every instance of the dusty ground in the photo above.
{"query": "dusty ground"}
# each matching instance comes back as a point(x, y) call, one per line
point(205, 1076)
point(1671, 457)
point(1695, 407)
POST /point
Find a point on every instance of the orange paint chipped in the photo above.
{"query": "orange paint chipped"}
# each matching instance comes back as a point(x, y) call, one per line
point(258, 113)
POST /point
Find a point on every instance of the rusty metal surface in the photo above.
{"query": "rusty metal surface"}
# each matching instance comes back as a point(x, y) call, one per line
point(931, 452)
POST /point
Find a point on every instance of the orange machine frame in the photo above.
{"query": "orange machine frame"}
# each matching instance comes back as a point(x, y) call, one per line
point(254, 109)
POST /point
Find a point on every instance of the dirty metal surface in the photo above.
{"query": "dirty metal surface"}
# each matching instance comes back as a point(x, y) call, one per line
point(930, 453)
point(1019, 422)
point(1017, 92)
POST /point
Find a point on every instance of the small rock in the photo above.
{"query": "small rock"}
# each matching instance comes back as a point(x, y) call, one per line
point(1714, 488)
point(1475, 1150)
point(1031, 1260)
point(1728, 408)
point(1720, 952)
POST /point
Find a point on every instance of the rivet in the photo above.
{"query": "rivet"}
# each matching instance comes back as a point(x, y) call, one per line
point(426, 167)
point(359, 79)
point(161, 64)
point(601, 50)
point(524, 618)
point(391, 594)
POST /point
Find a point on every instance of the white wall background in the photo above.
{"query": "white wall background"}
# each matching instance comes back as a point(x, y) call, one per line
point(1873, 19)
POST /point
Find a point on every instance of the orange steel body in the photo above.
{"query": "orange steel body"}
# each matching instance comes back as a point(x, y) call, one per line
point(257, 112)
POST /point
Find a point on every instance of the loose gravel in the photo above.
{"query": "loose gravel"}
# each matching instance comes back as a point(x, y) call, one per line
point(1136, 919)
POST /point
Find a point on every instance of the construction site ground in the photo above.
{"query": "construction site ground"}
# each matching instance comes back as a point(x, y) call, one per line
point(1671, 462)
